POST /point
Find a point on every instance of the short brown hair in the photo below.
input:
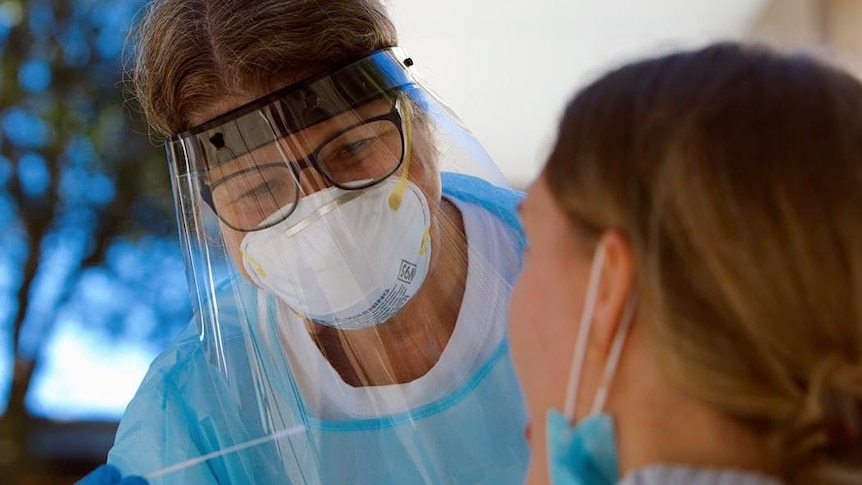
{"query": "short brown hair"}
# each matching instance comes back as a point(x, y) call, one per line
point(191, 53)
point(736, 174)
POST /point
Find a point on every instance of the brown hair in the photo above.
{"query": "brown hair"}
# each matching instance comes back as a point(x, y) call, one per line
point(736, 175)
point(191, 53)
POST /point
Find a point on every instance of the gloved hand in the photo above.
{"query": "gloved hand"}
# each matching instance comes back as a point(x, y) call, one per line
point(110, 475)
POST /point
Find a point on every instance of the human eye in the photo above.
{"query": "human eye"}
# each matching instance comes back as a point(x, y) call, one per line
point(254, 193)
point(350, 148)
point(262, 188)
point(243, 185)
point(366, 152)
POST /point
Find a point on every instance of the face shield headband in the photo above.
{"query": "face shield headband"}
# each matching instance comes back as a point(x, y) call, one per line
point(258, 133)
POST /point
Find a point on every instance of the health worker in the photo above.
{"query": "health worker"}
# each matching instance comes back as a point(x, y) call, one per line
point(350, 248)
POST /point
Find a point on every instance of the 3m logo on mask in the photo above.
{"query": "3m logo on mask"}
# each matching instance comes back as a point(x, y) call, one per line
point(407, 272)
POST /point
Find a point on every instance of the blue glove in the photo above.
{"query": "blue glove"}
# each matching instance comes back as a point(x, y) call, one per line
point(109, 475)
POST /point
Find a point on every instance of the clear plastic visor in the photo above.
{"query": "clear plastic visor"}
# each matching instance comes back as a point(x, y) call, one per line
point(346, 130)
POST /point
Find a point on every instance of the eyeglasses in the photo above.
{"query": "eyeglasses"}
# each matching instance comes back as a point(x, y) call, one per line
point(357, 157)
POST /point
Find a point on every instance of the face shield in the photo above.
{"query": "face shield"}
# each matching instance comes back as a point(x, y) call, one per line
point(350, 249)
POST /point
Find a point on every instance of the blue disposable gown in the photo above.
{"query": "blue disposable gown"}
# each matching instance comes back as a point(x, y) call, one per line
point(186, 407)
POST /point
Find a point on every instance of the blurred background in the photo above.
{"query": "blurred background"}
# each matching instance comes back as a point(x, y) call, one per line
point(92, 284)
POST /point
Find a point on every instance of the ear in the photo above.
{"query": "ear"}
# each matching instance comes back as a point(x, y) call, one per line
point(615, 289)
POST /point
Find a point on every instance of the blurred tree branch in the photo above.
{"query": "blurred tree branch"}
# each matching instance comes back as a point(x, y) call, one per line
point(81, 103)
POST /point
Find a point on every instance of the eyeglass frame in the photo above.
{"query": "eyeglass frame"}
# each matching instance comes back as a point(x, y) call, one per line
point(310, 161)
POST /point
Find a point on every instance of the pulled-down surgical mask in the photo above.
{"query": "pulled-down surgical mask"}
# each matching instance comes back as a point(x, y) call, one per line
point(585, 453)
point(350, 321)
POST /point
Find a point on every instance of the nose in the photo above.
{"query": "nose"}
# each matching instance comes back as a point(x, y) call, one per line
point(311, 181)
point(308, 178)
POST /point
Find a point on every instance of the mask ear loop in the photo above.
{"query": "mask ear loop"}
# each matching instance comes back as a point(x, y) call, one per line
point(583, 333)
point(398, 193)
point(614, 357)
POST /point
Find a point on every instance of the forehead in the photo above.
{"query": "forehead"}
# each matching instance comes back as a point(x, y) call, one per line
point(294, 146)
point(541, 213)
point(236, 120)
point(537, 198)
point(223, 105)
point(296, 112)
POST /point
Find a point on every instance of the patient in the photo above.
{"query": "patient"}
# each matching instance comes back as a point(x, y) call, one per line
point(690, 305)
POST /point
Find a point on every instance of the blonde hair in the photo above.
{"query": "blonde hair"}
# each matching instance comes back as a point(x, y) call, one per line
point(189, 54)
point(736, 175)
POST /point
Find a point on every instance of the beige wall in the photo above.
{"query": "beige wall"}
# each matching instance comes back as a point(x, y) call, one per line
point(832, 28)
point(843, 25)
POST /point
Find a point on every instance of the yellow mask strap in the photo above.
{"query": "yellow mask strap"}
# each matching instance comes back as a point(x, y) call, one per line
point(398, 193)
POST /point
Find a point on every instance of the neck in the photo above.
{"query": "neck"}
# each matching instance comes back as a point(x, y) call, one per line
point(662, 426)
point(410, 344)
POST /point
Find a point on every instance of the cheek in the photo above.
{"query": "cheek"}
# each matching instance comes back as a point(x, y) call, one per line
point(542, 336)
point(233, 240)
point(423, 173)
point(542, 301)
